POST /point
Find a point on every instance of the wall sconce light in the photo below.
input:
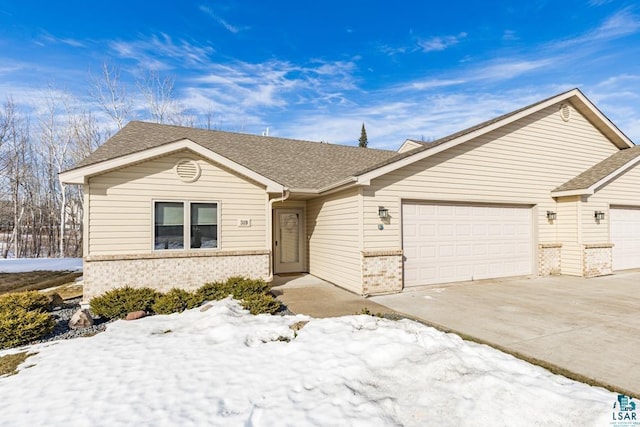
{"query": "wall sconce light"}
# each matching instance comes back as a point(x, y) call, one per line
point(551, 215)
point(598, 215)
point(383, 212)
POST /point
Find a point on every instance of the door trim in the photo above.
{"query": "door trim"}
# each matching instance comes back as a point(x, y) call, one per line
point(297, 267)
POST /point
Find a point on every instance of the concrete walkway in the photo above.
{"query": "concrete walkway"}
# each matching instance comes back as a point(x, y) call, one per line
point(586, 329)
point(307, 294)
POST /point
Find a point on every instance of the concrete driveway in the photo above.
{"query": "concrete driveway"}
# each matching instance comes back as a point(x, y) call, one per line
point(588, 329)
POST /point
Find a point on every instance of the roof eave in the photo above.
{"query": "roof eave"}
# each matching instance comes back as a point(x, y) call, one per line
point(332, 188)
point(568, 193)
point(600, 183)
point(79, 175)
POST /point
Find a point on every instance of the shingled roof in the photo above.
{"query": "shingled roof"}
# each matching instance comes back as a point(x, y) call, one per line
point(600, 171)
point(292, 163)
point(313, 166)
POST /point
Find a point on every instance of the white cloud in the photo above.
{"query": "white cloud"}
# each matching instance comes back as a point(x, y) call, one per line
point(153, 52)
point(620, 24)
point(435, 83)
point(440, 42)
point(47, 38)
point(500, 70)
point(231, 28)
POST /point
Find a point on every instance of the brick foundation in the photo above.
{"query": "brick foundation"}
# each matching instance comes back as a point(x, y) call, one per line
point(381, 272)
point(163, 271)
point(597, 260)
point(549, 259)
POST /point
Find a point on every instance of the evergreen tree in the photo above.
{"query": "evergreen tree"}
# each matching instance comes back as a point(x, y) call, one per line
point(363, 138)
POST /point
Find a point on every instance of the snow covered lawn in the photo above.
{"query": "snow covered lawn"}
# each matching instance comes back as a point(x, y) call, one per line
point(226, 367)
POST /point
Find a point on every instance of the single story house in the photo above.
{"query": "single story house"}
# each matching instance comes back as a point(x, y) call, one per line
point(552, 188)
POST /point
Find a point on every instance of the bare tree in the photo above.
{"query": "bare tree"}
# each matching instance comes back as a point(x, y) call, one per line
point(158, 93)
point(15, 174)
point(111, 95)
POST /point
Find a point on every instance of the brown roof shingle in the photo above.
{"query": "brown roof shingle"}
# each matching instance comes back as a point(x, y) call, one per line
point(292, 163)
point(595, 173)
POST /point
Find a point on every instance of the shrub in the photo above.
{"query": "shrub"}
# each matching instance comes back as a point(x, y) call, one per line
point(242, 287)
point(175, 301)
point(116, 303)
point(260, 303)
point(238, 287)
point(214, 291)
point(19, 326)
point(253, 294)
point(29, 301)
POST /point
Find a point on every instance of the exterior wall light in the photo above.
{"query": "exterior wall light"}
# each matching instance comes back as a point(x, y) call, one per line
point(383, 212)
point(551, 215)
point(598, 215)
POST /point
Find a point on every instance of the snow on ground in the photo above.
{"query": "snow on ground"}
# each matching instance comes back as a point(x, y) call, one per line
point(225, 367)
point(21, 265)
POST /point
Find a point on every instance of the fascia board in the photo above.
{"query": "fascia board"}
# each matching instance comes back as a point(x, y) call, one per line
point(77, 176)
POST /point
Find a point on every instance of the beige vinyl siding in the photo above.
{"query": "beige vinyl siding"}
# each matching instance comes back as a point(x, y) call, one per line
point(624, 190)
point(569, 224)
point(333, 238)
point(518, 164)
point(121, 214)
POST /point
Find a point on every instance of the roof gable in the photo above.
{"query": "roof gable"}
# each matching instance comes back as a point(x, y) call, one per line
point(574, 96)
point(600, 174)
point(294, 164)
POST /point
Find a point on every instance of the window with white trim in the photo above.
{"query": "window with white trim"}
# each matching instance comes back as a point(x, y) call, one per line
point(178, 222)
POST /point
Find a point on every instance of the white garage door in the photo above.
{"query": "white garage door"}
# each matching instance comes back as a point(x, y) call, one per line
point(451, 243)
point(625, 235)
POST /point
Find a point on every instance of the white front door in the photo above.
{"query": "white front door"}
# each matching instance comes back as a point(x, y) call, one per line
point(288, 241)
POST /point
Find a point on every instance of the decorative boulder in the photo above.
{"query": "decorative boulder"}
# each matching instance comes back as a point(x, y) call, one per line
point(54, 301)
point(81, 319)
point(136, 315)
point(206, 307)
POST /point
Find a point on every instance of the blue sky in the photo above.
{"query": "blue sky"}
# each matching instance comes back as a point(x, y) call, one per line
point(318, 70)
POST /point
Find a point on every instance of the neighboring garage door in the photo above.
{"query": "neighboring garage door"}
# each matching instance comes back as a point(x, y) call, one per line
point(451, 243)
point(625, 236)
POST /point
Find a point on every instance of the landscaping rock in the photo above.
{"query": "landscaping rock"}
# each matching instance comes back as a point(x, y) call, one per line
point(81, 319)
point(298, 325)
point(136, 315)
point(55, 301)
point(206, 307)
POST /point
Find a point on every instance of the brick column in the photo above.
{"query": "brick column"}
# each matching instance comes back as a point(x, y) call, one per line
point(381, 272)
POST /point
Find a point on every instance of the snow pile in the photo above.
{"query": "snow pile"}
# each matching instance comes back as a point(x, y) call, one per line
point(21, 265)
point(226, 367)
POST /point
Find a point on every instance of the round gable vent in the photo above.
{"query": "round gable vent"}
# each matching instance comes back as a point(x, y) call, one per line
point(565, 112)
point(188, 170)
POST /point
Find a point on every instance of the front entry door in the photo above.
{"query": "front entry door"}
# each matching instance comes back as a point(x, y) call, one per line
point(288, 241)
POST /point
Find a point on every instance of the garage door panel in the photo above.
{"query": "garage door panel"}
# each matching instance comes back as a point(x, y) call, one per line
point(625, 236)
point(479, 249)
point(426, 231)
point(427, 251)
point(464, 250)
point(447, 243)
